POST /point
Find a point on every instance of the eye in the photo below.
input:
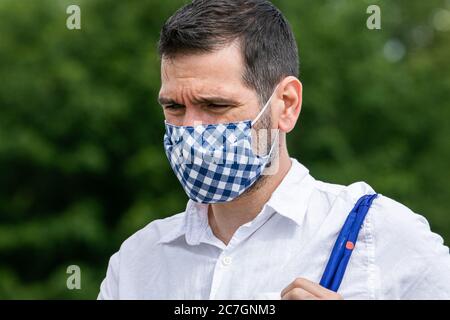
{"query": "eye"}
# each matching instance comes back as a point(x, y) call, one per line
point(217, 106)
point(173, 107)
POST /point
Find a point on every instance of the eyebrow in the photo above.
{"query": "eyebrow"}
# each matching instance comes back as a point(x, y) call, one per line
point(200, 100)
point(166, 101)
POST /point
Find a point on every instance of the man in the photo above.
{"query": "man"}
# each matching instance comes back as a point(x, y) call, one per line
point(257, 225)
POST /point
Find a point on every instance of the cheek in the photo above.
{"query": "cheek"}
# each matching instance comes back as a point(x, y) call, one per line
point(193, 116)
point(175, 117)
point(243, 113)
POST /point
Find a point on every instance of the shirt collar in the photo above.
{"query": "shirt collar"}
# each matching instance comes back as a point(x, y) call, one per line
point(290, 199)
point(193, 226)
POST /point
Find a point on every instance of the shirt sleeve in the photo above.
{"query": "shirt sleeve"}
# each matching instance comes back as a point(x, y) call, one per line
point(412, 261)
point(109, 288)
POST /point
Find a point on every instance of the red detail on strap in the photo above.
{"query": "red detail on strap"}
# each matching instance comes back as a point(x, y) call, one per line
point(349, 245)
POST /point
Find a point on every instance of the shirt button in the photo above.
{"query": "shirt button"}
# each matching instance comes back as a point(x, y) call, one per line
point(226, 261)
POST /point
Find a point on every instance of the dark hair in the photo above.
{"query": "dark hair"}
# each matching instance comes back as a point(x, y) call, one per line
point(266, 39)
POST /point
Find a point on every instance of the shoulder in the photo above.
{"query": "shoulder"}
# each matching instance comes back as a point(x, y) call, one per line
point(394, 226)
point(138, 251)
point(399, 228)
point(154, 232)
point(413, 261)
point(404, 257)
point(348, 194)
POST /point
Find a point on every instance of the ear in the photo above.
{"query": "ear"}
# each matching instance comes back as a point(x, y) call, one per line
point(290, 93)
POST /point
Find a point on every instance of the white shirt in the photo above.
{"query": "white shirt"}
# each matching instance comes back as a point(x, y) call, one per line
point(396, 255)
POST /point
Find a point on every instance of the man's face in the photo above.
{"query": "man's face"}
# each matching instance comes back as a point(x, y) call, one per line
point(206, 88)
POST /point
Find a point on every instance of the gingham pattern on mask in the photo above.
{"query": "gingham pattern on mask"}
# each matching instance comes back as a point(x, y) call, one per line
point(214, 163)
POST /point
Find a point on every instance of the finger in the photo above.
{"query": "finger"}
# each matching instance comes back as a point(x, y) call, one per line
point(298, 294)
point(315, 288)
point(297, 283)
point(288, 288)
point(319, 291)
point(312, 287)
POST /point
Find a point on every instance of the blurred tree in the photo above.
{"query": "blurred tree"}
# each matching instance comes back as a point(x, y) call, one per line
point(81, 160)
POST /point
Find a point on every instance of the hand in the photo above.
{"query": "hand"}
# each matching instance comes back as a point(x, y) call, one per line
point(303, 289)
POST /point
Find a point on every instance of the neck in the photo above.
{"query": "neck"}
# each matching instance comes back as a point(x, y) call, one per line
point(225, 218)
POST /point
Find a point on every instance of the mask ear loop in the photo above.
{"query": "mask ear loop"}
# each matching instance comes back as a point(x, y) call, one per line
point(265, 106)
point(274, 141)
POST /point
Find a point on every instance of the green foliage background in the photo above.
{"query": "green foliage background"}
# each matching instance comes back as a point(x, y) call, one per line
point(81, 160)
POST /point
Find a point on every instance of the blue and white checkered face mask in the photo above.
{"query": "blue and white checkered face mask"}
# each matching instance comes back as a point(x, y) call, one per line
point(215, 162)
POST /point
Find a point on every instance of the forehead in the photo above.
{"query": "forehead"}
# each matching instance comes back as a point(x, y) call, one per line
point(222, 68)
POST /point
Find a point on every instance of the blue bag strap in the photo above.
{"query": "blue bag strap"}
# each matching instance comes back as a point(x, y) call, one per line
point(345, 242)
